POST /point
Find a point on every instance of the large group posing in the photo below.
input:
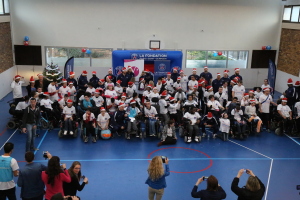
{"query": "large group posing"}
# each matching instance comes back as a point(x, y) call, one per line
point(198, 105)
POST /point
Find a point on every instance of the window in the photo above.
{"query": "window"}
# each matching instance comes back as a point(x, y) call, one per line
point(97, 58)
point(4, 7)
point(216, 59)
point(291, 14)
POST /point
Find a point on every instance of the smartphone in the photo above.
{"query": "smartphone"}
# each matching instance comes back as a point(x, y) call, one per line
point(83, 176)
point(205, 178)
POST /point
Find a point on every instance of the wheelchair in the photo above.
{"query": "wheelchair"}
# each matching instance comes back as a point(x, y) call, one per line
point(141, 126)
point(16, 119)
point(278, 127)
point(235, 133)
point(183, 132)
point(75, 128)
point(252, 126)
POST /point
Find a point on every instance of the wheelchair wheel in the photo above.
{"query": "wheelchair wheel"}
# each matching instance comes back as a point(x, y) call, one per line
point(50, 126)
point(185, 138)
point(273, 126)
point(75, 133)
point(60, 133)
point(11, 124)
point(44, 124)
point(278, 131)
point(181, 131)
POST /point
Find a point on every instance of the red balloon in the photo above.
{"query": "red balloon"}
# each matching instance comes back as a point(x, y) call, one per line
point(83, 50)
point(219, 53)
point(263, 47)
point(26, 43)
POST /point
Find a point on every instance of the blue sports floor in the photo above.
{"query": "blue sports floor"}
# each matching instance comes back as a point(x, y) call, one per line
point(117, 168)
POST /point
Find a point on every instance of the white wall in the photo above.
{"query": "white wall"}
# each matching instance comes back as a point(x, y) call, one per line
point(6, 78)
point(281, 80)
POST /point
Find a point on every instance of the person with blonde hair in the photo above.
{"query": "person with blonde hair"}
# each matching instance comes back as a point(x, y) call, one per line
point(157, 177)
point(253, 190)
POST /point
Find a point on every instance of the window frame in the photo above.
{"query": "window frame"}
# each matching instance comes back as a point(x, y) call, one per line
point(4, 13)
point(289, 21)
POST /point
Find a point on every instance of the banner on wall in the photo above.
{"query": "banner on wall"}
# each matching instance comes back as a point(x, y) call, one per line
point(161, 68)
point(272, 75)
point(137, 66)
point(69, 67)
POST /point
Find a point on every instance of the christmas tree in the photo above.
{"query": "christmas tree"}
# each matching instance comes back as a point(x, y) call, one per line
point(53, 72)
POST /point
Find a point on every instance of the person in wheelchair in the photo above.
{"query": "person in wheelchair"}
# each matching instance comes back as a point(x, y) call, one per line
point(119, 120)
point(46, 106)
point(174, 109)
point(214, 106)
point(19, 109)
point(89, 123)
point(99, 101)
point(232, 105)
point(168, 134)
point(63, 102)
point(193, 119)
point(221, 96)
point(151, 116)
point(251, 115)
point(286, 115)
point(132, 112)
point(209, 121)
point(69, 114)
point(88, 103)
point(103, 119)
point(189, 103)
point(239, 122)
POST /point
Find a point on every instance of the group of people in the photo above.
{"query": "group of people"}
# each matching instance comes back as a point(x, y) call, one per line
point(61, 183)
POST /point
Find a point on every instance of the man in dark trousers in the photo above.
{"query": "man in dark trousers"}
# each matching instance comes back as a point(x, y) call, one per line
point(42, 83)
point(206, 75)
point(290, 93)
point(72, 79)
point(148, 76)
point(175, 75)
point(236, 74)
point(94, 80)
point(217, 83)
point(113, 77)
point(30, 179)
point(124, 77)
point(119, 120)
point(83, 81)
point(31, 117)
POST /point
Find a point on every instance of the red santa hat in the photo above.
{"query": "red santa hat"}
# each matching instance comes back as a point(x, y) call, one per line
point(169, 73)
point(290, 81)
point(84, 72)
point(179, 78)
point(102, 109)
point(202, 81)
point(119, 81)
point(226, 71)
point(121, 104)
point(17, 76)
point(175, 69)
point(31, 79)
point(209, 115)
point(252, 101)
point(181, 71)
point(246, 95)
point(297, 83)
point(284, 99)
point(132, 101)
point(70, 83)
point(266, 89)
point(46, 93)
point(209, 87)
point(64, 80)
point(195, 86)
point(97, 91)
point(110, 84)
point(123, 95)
point(218, 74)
point(124, 69)
point(237, 78)
point(233, 81)
point(172, 99)
point(129, 67)
point(72, 73)
point(205, 67)
point(69, 101)
point(164, 93)
point(163, 82)
point(94, 72)
point(194, 69)
point(236, 69)
point(102, 80)
point(251, 91)
point(110, 70)
point(40, 74)
point(149, 86)
point(130, 83)
point(154, 88)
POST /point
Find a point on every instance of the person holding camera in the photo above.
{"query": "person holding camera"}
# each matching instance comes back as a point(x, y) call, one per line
point(157, 177)
point(30, 180)
point(70, 189)
point(54, 177)
point(213, 191)
point(253, 190)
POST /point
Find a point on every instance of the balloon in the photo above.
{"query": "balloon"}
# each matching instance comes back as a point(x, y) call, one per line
point(26, 43)
point(215, 54)
point(83, 50)
point(88, 51)
point(268, 47)
point(219, 53)
point(263, 47)
point(26, 38)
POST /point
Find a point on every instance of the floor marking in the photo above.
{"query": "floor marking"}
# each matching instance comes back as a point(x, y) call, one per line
point(292, 139)
point(270, 171)
point(41, 141)
point(3, 131)
point(249, 149)
point(9, 138)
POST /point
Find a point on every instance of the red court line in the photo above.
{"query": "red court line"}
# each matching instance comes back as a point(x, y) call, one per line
point(3, 131)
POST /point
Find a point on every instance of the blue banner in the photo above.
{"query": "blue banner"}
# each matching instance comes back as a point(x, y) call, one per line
point(69, 67)
point(161, 67)
point(272, 75)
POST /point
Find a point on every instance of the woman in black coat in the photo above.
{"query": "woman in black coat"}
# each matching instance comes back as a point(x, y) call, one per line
point(253, 190)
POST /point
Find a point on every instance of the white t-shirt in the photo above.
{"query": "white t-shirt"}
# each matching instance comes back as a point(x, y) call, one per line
point(193, 83)
point(92, 116)
point(152, 95)
point(52, 89)
point(150, 112)
point(173, 108)
point(237, 115)
point(63, 90)
point(207, 94)
point(297, 105)
point(21, 105)
point(90, 90)
point(285, 110)
point(47, 103)
point(98, 100)
point(215, 105)
point(221, 97)
point(170, 85)
point(265, 100)
point(176, 85)
point(183, 81)
point(62, 102)
point(119, 90)
point(130, 91)
point(238, 91)
point(69, 111)
point(162, 106)
point(224, 125)
point(17, 89)
point(250, 110)
point(103, 119)
point(158, 86)
point(193, 117)
point(10, 184)
point(265, 86)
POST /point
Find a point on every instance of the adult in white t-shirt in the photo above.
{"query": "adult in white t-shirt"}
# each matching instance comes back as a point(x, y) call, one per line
point(285, 112)
point(193, 126)
point(53, 92)
point(193, 82)
point(238, 90)
point(265, 100)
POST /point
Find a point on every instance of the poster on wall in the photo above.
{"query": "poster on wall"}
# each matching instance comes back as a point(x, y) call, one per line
point(136, 65)
point(161, 68)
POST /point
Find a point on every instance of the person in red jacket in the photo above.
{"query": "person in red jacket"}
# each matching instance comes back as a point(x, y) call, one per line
point(54, 177)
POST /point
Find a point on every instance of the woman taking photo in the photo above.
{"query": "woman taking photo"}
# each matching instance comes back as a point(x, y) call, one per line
point(253, 190)
point(168, 134)
point(213, 191)
point(54, 177)
point(70, 189)
point(157, 177)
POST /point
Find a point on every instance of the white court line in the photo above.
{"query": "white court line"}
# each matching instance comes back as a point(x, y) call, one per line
point(270, 171)
point(292, 139)
point(8, 139)
point(250, 149)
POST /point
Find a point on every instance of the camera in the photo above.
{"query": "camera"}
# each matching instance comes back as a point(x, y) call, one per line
point(246, 171)
point(205, 178)
point(45, 154)
point(164, 159)
point(83, 176)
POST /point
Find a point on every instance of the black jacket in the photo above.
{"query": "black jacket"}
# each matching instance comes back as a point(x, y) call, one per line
point(244, 194)
point(45, 84)
point(72, 187)
point(31, 116)
point(209, 195)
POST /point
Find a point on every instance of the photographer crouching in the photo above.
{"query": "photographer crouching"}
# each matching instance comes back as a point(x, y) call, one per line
point(253, 190)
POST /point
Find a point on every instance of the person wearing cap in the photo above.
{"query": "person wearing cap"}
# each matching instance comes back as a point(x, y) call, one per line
point(113, 77)
point(71, 79)
point(192, 82)
point(119, 120)
point(225, 77)
point(194, 73)
point(265, 84)
point(183, 81)
point(170, 83)
point(285, 113)
point(151, 115)
point(206, 75)
point(31, 117)
point(103, 119)
point(148, 76)
point(72, 91)
point(193, 119)
point(69, 114)
point(53, 92)
point(125, 78)
point(89, 123)
point(64, 89)
point(83, 81)
point(31, 86)
point(16, 86)
point(238, 116)
point(175, 74)
point(163, 86)
point(236, 74)
point(130, 90)
point(132, 112)
point(46, 106)
point(42, 82)
point(238, 90)
point(290, 93)
point(221, 96)
point(264, 107)
point(217, 83)
point(94, 80)
point(250, 112)
point(163, 107)
point(90, 88)
point(209, 121)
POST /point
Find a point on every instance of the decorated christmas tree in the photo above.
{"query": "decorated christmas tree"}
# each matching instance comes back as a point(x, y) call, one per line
point(53, 72)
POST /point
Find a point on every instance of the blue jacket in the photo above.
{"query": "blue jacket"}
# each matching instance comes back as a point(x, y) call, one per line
point(161, 182)
point(125, 79)
point(82, 80)
point(73, 80)
point(207, 76)
point(216, 84)
point(94, 80)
